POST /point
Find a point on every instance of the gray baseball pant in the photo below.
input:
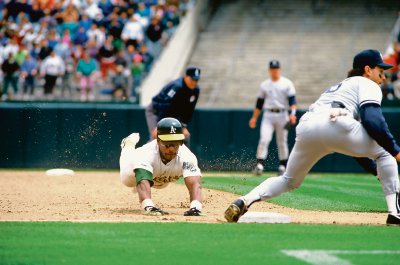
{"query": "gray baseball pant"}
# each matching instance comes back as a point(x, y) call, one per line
point(318, 136)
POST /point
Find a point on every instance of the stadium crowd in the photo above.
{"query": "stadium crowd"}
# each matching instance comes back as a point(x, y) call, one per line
point(391, 88)
point(82, 49)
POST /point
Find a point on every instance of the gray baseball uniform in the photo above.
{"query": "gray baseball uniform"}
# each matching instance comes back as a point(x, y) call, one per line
point(275, 117)
point(332, 125)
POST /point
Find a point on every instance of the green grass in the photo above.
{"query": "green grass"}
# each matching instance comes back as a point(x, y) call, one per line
point(186, 243)
point(330, 192)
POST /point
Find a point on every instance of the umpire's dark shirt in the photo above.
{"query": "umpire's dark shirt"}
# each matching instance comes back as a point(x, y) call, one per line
point(176, 100)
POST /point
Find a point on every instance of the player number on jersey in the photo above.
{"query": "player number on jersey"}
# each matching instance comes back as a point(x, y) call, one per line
point(333, 88)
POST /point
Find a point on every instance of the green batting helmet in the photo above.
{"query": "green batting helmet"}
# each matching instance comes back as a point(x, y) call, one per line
point(169, 129)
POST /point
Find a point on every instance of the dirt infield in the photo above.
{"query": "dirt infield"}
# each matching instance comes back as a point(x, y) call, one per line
point(99, 196)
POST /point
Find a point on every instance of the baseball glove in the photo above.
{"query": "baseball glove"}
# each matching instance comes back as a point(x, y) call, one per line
point(289, 126)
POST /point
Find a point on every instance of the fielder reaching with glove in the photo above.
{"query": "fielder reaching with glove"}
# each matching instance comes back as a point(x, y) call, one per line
point(158, 163)
point(346, 119)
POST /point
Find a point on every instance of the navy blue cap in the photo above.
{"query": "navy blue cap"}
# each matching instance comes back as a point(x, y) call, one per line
point(371, 58)
point(193, 72)
point(274, 64)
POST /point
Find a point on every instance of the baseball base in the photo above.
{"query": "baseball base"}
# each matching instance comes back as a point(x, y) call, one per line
point(57, 172)
point(265, 217)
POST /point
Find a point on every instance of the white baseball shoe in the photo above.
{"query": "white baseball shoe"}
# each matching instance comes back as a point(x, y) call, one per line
point(258, 170)
point(131, 140)
point(281, 170)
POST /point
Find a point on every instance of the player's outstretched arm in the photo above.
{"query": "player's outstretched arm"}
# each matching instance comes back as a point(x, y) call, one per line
point(374, 123)
point(193, 185)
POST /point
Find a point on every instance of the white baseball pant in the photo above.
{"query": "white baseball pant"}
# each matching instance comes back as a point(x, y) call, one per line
point(271, 122)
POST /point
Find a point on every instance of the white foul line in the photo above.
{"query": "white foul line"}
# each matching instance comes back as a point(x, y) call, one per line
point(328, 257)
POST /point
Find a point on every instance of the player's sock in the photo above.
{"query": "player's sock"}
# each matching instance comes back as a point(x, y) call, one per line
point(283, 162)
point(196, 204)
point(261, 161)
point(147, 203)
point(271, 187)
point(392, 201)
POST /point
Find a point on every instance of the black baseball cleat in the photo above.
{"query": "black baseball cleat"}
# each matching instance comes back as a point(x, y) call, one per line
point(151, 210)
point(393, 220)
point(235, 210)
point(193, 212)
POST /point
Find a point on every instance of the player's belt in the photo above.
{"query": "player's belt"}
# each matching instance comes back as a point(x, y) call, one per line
point(276, 110)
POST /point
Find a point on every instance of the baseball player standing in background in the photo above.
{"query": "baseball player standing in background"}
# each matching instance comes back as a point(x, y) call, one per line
point(346, 119)
point(158, 163)
point(177, 100)
point(277, 95)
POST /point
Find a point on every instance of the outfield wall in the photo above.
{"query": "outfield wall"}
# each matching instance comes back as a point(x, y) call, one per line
point(87, 135)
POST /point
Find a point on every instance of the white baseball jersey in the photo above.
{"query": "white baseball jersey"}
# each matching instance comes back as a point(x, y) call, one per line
point(353, 92)
point(276, 93)
point(148, 157)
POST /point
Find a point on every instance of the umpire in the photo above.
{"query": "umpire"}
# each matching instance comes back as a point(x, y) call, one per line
point(177, 100)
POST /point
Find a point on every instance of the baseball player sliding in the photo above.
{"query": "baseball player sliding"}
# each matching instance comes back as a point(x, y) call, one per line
point(346, 119)
point(158, 163)
point(276, 95)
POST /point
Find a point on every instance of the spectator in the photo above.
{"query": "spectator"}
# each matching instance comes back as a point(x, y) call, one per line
point(115, 31)
point(69, 17)
point(154, 33)
point(10, 76)
point(120, 83)
point(77, 53)
point(95, 34)
point(51, 68)
point(147, 58)
point(130, 51)
point(93, 11)
point(120, 59)
point(53, 38)
point(171, 18)
point(28, 73)
point(21, 55)
point(29, 38)
point(81, 37)
point(66, 80)
point(107, 58)
point(106, 7)
point(34, 12)
point(46, 5)
point(132, 33)
point(143, 10)
point(45, 50)
point(10, 48)
point(92, 48)
point(86, 71)
point(85, 22)
point(137, 70)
